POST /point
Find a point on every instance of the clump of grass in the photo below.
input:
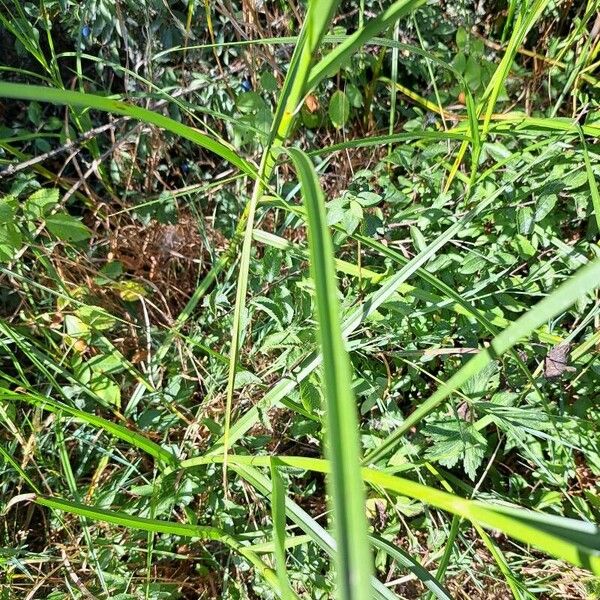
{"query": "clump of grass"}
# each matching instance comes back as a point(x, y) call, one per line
point(157, 455)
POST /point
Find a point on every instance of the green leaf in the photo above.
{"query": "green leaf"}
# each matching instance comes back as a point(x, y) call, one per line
point(347, 490)
point(525, 220)
point(472, 73)
point(418, 239)
point(95, 317)
point(453, 441)
point(585, 280)
point(354, 95)
point(41, 203)
point(71, 98)
point(106, 389)
point(459, 62)
point(473, 263)
point(34, 113)
point(268, 82)
point(544, 206)
point(249, 102)
point(10, 241)
point(462, 38)
point(67, 228)
point(524, 246)
point(156, 526)
point(352, 217)
point(574, 179)
point(8, 209)
point(339, 109)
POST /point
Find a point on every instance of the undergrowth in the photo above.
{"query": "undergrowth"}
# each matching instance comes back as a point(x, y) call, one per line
point(299, 299)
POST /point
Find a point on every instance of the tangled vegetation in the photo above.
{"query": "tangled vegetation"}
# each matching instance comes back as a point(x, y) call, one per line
point(299, 299)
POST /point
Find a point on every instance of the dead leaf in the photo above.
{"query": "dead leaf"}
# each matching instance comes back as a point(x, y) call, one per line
point(557, 361)
point(311, 103)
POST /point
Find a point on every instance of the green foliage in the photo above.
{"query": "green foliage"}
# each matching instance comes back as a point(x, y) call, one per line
point(263, 260)
point(339, 109)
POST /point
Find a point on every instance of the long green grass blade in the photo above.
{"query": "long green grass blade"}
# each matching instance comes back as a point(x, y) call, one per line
point(494, 87)
point(575, 541)
point(166, 527)
point(585, 280)
point(278, 515)
point(314, 28)
point(406, 560)
point(342, 446)
point(336, 57)
point(595, 195)
point(118, 107)
point(127, 435)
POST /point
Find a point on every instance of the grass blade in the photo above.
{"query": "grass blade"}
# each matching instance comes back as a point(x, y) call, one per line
point(406, 560)
point(118, 107)
point(585, 280)
point(343, 446)
point(591, 179)
point(317, 534)
point(575, 541)
point(278, 515)
point(127, 435)
point(158, 526)
point(332, 61)
point(313, 30)
point(494, 87)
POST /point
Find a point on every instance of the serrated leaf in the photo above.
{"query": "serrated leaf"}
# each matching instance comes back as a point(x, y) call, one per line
point(454, 441)
point(270, 307)
point(244, 378)
point(10, 241)
point(279, 339)
point(40, 203)
point(67, 228)
point(478, 384)
point(309, 396)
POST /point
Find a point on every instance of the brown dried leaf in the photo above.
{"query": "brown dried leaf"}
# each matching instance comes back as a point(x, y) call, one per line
point(557, 361)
